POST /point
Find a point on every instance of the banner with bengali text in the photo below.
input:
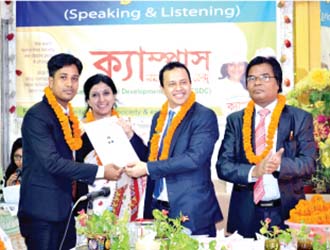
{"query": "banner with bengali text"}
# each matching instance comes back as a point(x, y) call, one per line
point(132, 42)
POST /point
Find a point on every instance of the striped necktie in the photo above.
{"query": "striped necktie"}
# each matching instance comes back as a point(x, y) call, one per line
point(260, 144)
point(159, 184)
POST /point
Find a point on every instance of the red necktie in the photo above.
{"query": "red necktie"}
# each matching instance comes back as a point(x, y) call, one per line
point(260, 143)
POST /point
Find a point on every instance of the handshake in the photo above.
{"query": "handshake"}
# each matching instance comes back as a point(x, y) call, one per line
point(135, 170)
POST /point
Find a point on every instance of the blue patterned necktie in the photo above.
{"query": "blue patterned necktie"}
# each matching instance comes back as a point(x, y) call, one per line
point(159, 184)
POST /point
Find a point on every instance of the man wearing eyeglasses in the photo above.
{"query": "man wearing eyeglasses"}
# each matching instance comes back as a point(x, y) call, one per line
point(267, 150)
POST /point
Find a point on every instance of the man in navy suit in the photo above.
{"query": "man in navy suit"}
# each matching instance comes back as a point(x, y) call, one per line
point(179, 157)
point(49, 169)
point(287, 158)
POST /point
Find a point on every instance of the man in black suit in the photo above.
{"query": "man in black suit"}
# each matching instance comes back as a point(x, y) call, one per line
point(49, 168)
point(179, 172)
point(288, 155)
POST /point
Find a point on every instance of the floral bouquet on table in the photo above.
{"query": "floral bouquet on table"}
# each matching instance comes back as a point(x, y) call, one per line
point(310, 220)
point(312, 94)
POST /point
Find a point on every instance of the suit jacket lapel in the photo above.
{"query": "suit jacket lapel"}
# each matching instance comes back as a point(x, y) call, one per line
point(179, 129)
point(283, 128)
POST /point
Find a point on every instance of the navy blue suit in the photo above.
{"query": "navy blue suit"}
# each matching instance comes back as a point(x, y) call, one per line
point(298, 162)
point(49, 169)
point(187, 169)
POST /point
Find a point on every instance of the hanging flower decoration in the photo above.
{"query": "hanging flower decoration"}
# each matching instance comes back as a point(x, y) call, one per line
point(10, 36)
point(12, 109)
point(18, 72)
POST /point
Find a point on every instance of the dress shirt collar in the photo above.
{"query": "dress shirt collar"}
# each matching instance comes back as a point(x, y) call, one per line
point(270, 107)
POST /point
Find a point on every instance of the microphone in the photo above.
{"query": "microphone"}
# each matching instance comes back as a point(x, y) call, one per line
point(105, 192)
point(19, 173)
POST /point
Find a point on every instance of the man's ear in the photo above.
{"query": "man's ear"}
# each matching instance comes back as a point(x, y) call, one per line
point(50, 81)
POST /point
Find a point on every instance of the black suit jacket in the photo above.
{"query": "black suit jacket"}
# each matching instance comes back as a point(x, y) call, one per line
point(187, 169)
point(298, 162)
point(49, 169)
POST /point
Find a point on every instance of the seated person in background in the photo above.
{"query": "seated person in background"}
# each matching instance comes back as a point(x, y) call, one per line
point(13, 171)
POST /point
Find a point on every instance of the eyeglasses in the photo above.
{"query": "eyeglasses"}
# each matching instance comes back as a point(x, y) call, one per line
point(262, 78)
point(18, 157)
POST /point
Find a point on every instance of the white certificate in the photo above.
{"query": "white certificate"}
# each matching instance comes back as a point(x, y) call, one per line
point(111, 143)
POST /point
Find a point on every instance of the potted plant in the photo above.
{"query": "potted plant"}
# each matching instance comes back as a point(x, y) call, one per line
point(274, 235)
point(104, 231)
point(171, 232)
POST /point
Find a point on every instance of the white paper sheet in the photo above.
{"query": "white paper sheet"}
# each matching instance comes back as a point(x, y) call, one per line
point(111, 144)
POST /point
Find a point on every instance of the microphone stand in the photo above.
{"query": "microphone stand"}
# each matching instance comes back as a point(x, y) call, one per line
point(90, 207)
point(69, 219)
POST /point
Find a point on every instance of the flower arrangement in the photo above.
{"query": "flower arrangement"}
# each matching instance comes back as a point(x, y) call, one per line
point(171, 232)
point(312, 94)
point(107, 226)
point(309, 221)
point(313, 211)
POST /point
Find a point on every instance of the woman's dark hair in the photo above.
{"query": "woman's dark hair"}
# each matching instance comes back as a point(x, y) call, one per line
point(60, 60)
point(277, 70)
point(12, 167)
point(96, 79)
point(16, 145)
point(170, 66)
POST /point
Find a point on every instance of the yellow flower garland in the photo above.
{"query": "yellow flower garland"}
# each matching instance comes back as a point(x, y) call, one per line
point(74, 142)
point(247, 130)
point(154, 143)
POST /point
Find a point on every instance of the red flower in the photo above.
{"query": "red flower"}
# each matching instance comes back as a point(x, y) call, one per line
point(164, 212)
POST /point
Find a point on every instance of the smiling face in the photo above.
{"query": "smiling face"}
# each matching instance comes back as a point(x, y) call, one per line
point(101, 99)
point(262, 92)
point(235, 71)
point(64, 84)
point(177, 86)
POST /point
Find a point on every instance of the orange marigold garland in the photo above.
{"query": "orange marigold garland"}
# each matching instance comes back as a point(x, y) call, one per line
point(74, 141)
point(247, 130)
point(154, 142)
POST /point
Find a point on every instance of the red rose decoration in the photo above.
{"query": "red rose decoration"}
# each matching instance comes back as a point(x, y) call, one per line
point(287, 19)
point(18, 72)
point(287, 43)
point(8, 2)
point(12, 109)
point(10, 36)
point(287, 82)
